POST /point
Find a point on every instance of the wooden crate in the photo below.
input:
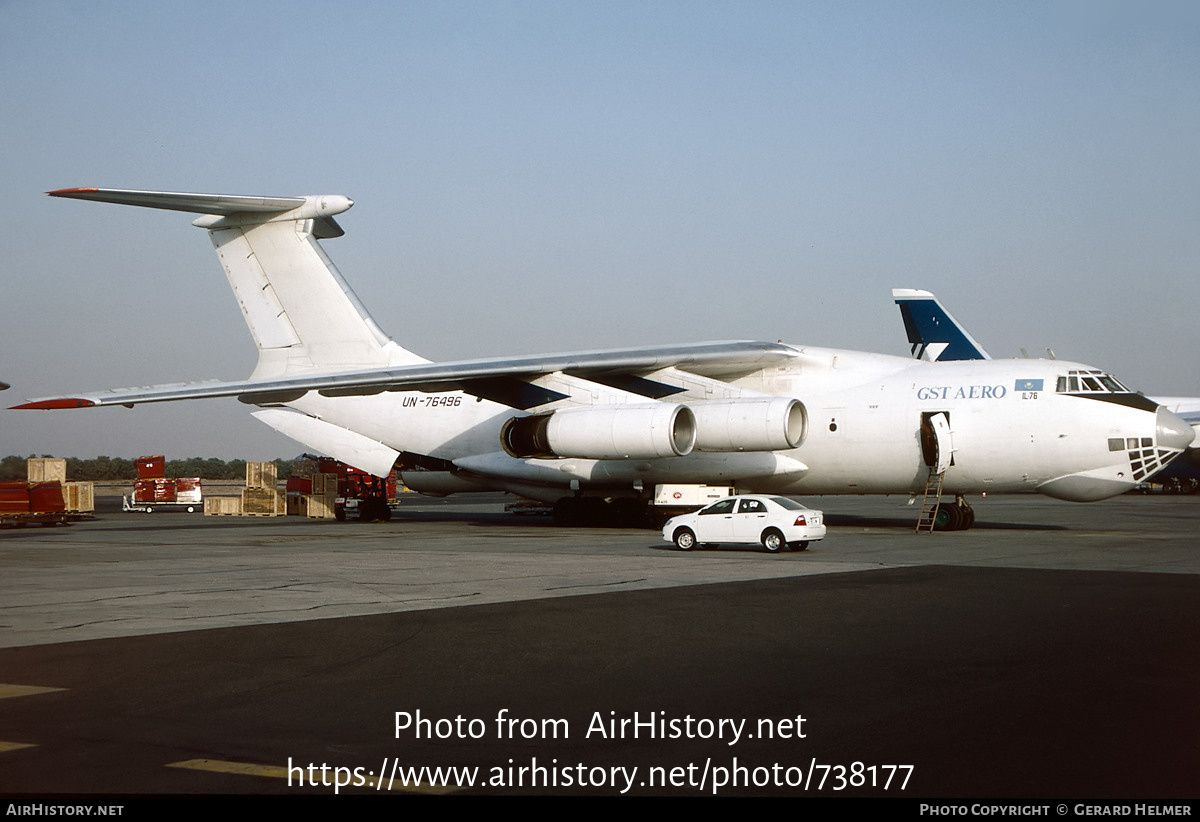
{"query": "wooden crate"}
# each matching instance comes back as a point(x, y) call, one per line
point(80, 497)
point(305, 467)
point(297, 505)
point(222, 506)
point(324, 484)
point(321, 506)
point(261, 475)
point(263, 502)
point(46, 469)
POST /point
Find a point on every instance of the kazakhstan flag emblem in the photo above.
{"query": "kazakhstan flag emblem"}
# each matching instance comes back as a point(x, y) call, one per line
point(1029, 385)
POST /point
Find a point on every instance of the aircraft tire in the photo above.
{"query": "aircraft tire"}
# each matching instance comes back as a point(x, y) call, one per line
point(773, 541)
point(947, 518)
point(798, 546)
point(684, 539)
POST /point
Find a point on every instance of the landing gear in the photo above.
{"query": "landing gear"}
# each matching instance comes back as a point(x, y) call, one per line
point(1181, 485)
point(955, 516)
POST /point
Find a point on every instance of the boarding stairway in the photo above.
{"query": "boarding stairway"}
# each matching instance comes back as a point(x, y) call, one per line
point(933, 498)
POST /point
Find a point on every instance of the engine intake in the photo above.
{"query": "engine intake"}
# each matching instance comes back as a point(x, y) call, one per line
point(603, 432)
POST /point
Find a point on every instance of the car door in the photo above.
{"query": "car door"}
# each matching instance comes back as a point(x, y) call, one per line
point(750, 520)
point(715, 523)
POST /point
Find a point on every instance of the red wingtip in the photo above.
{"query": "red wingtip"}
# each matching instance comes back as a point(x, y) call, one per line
point(60, 192)
point(60, 403)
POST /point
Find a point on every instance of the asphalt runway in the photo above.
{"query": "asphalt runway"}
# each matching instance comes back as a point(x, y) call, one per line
point(1048, 654)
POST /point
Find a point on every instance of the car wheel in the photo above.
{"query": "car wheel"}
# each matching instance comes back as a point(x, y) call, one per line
point(773, 540)
point(685, 540)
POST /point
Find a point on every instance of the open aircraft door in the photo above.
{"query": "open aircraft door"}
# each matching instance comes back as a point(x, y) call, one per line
point(937, 441)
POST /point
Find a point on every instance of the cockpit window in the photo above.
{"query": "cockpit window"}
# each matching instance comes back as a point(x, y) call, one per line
point(1090, 382)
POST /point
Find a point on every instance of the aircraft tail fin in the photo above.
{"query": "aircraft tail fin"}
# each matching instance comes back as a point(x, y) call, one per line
point(303, 315)
point(933, 333)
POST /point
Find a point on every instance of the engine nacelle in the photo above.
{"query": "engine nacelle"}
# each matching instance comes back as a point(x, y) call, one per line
point(750, 424)
point(603, 432)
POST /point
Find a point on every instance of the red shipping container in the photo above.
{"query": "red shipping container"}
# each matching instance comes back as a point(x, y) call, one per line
point(14, 498)
point(154, 467)
point(46, 497)
point(164, 490)
point(187, 489)
point(299, 485)
point(154, 490)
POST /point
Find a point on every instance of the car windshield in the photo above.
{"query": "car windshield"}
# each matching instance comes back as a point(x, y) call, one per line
point(789, 504)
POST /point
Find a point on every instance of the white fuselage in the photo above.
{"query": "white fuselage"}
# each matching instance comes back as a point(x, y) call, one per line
point(864, 418)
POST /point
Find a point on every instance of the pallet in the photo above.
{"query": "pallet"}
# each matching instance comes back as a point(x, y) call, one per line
point(50, 518)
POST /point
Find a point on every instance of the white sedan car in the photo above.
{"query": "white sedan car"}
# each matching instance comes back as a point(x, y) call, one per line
point(776, 522)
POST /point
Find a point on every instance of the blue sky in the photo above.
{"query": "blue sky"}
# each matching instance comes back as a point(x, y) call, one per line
point(547, 176)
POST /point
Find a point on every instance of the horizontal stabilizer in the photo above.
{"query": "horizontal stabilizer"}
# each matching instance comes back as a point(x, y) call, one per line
point(342, 444)
point(178, 201)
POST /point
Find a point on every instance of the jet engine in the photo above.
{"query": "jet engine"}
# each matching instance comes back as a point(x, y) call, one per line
point(750, 424)
point(603, 432)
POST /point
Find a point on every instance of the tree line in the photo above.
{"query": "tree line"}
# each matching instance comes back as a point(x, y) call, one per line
point(119, 468)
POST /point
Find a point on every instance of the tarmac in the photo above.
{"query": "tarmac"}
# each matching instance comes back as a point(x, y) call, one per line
point(1049, 653)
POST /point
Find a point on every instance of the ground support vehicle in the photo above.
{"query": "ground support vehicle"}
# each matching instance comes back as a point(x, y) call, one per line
point(358, 494)
point(160, 494)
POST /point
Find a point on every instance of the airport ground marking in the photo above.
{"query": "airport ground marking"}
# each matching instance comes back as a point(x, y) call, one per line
point(7, 690)
point(279, 772)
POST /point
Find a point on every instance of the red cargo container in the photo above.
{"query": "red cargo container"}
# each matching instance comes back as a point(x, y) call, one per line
point(154, 467)
point(23, 503)
point(154, 490)
point(46, 497)
point(299, 485)
point(14, 498)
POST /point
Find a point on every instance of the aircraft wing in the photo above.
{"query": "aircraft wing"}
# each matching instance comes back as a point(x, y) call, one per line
point(504, 380)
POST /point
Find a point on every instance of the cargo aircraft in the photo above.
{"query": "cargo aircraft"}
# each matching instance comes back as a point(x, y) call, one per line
point(935, 335)
point(596, 431)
